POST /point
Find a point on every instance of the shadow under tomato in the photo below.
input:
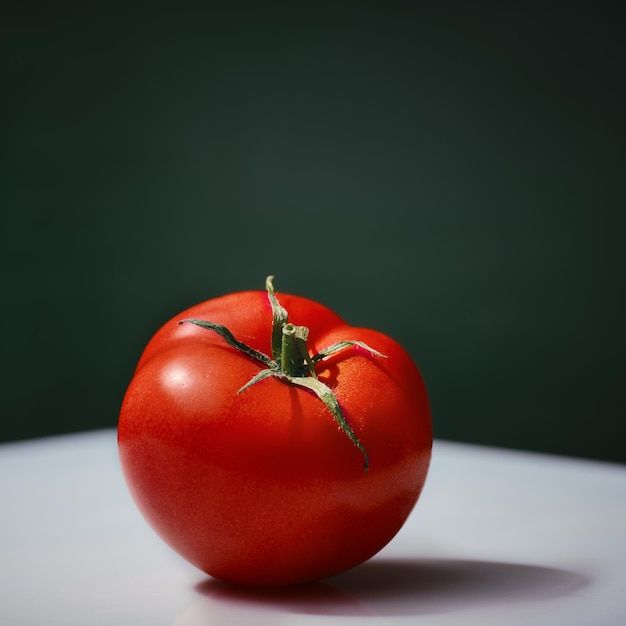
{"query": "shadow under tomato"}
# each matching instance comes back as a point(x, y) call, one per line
point(403, 587)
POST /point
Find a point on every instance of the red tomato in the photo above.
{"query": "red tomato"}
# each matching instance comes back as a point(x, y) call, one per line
point(265, 487)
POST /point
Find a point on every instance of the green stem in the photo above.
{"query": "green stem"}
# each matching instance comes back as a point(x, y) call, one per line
point(301, 337)
point(291, 355)
point(279, 319)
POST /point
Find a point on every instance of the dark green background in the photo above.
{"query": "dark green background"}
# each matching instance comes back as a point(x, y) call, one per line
point(451, 174)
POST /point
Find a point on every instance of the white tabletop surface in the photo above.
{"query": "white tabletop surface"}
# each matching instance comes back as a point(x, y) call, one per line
point(497, 538)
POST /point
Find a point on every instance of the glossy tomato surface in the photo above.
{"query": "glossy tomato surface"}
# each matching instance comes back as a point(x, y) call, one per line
point(262, 487)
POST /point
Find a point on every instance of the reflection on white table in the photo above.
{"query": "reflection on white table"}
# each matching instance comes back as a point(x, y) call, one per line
point(497, 538)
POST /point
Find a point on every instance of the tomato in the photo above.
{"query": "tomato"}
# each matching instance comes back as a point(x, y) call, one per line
point(308, 471)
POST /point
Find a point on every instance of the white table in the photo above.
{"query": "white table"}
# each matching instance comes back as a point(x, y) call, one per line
point(498, 538)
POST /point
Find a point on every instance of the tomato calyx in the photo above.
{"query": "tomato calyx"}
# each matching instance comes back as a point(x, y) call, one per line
point(291, 361)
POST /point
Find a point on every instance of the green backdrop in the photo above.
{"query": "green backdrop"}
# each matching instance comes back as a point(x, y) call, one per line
point(451, 174)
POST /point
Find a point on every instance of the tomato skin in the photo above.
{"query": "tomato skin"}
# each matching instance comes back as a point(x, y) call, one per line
point(262, 488)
